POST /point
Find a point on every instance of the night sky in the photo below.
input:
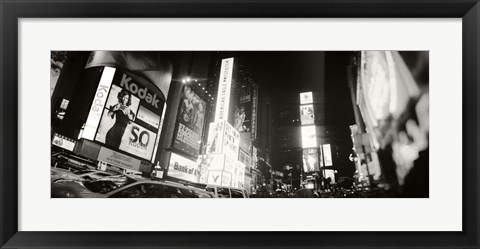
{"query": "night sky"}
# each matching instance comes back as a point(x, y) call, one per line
point(279, 73)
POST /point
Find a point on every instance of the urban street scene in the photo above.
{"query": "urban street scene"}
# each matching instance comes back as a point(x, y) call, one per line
point(239, 124)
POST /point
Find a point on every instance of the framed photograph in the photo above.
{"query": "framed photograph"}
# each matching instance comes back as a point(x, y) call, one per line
point(233, 124)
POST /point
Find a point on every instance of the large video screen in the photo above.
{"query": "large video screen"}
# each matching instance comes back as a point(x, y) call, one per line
point(307, 116)
point(310, 160)
point(309, 137)
point(131, 117)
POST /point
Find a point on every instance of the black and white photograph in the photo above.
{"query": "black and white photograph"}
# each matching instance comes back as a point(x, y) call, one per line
point(240, 124)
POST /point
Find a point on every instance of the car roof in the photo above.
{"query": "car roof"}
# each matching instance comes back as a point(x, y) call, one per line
point(168, 183)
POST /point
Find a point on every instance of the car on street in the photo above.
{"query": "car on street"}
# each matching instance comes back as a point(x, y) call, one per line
point(61, 174)
point(227, 192)
point(133, 188)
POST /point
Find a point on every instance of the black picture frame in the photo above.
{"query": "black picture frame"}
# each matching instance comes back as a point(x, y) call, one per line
point(11, 11)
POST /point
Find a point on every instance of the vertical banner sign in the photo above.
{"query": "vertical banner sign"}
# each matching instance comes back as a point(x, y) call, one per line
point(224, 88)
point(155, 148)
point(254, 113)
point(327, 154)
point(98, 104)
point(243, 114)
point(254, 157)
point(189, 125)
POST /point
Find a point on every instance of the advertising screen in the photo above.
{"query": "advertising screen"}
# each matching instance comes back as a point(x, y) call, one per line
point(183, 168)
point(215, 162)
point(131, 116)
point(234, 181)
point(330, 173)
point(230, 164)
point(189, 125)
point(310, 160)
point(242, 120)
point(241, 175)
point(148, 117)
point(226, 179)
point(307, 116)
point(327, 155)
point(231, 141)
point(245, 142)
point(306, 98)
point(218, 177)
point(309, 138)
point(118, 159)
point(215, 138)
point(63, 142)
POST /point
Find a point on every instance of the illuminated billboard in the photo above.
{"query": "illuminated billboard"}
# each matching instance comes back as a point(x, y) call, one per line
point(231, 141)
point(98, 103)
point(330, 173)
point(215, 137)
point(220, 178)
point(242, 120)
point(306, 98)
point(307, 116)
point(118, 159)
point(310, 160)
point(63, 142)
point(309, 138)
point(241, 175)
point(185, 169)
point(214, 177)
point(224, 88)
point(223, 138)
point(131, 116)
point(189, 125)
point(327, 155)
